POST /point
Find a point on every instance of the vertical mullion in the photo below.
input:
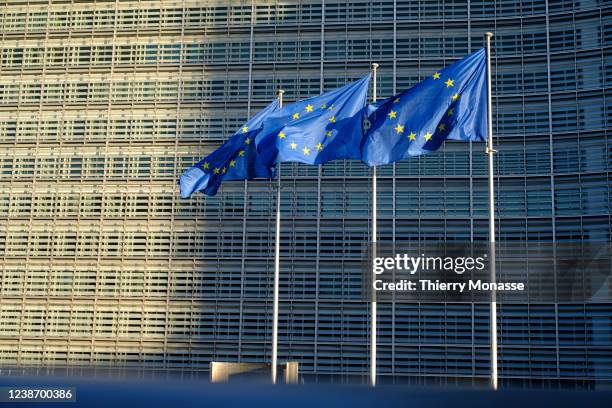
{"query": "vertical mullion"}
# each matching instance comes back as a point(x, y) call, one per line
point(471, 193)
point(394, 187)
point(175, 177)
point(319, 207)
point(552, 177)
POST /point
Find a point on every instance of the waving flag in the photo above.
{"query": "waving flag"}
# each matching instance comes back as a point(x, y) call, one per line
point(450, 104)
point(316, 130)
point(236, 159)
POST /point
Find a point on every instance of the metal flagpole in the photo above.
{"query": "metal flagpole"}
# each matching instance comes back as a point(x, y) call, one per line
point(373, 302)
point(276, 262)
point(491, 152)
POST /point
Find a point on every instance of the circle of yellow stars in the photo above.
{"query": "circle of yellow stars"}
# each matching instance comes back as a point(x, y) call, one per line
point(400, 129)
point(306, 150)
point(232, 162)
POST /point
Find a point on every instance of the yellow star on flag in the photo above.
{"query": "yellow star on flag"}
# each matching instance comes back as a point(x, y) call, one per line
point(332, 119)
point(427, 136)
point(306, 151)
point(245, 129)
point(309, 108)
point(282, 135)
point(206, 166)
point(455, 97)
point(399, 128)
point(392, 115)
point(412, 136)
point(248, 140)
point(293, 146)
point(449, 82)
point(436, 75)
point(328, 133)
point(324, 106)
point(442, 127)
point(233, 163)
point(241, 153)
point(451, 111)
point(216, 170)
point(331, 107)
point(319, 146)
point(223, 170)
point(296, 115)
point(396, 100)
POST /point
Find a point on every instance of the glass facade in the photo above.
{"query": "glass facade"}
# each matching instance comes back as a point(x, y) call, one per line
point(104, 103)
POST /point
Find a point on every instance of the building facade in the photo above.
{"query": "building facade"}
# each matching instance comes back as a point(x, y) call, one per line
point(104, 103)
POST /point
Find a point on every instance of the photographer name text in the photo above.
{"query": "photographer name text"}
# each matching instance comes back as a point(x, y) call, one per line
point(437, 286)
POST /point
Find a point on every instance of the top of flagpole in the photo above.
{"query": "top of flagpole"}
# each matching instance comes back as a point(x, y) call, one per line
point(374, 68)
point(489, 34)
point(280, 94)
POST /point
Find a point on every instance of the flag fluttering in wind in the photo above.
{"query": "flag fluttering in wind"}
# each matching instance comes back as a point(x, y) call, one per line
point(450, 104)
point(316, 130)
point(236, 159)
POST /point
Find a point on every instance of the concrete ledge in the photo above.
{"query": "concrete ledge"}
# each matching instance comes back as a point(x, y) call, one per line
point(221, 371)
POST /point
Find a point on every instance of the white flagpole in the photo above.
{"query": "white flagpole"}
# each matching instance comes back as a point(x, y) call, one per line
point(491, 152)
point(276, 262)
point(373, 302)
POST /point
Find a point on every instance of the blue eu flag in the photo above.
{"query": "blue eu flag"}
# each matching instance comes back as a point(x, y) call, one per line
point(316, 130)
point(450, 104)
point(236, 159)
